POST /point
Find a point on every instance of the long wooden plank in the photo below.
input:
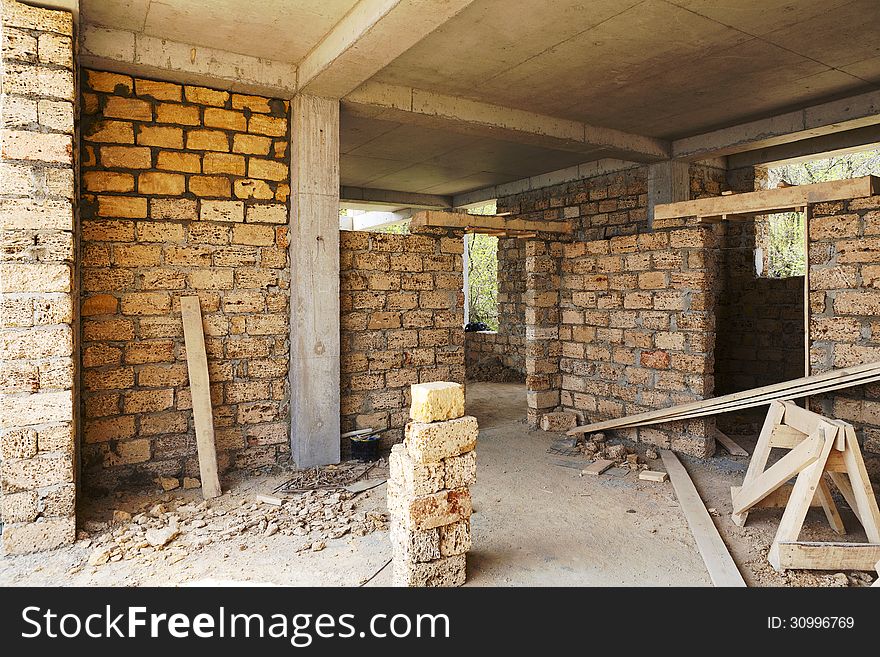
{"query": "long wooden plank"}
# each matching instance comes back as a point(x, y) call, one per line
point(808, 218)
point(203, 414)
point(442, 219)
point(721, 566)
point(729, 444)
point(795, 393)
point(780, 472)
point(815, 384)
point(768, 201)
point(800, 418)
point(829, 556)
point(823, 494)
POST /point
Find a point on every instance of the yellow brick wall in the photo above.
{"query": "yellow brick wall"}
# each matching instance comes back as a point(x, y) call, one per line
point(184, 191)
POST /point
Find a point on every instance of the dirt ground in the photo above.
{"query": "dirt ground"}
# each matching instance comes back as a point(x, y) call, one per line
point(535, 523)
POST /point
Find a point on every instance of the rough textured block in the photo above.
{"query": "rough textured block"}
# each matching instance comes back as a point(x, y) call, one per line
point(461, 470)
point(439, 509)
point(414, 545)
point(440, 400)
point(415, 478)
point(562, 421)
point(435, 441)
point(47, 534)
point(455, 538)
point(444, 572)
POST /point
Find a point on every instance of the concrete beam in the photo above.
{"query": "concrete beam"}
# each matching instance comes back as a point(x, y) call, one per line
point(668, 182)
point(839, 143)
point(138, 54)
point(314, 284)
point(368, 38)
point(394, 198)
point(549, 179)
point(816, 121)
point(376, 219)
point(471, 117)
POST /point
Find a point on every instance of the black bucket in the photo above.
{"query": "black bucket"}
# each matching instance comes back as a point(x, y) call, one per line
point(365, 448)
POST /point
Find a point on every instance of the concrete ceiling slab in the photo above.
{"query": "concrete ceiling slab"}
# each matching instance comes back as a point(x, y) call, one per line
point(274, 29)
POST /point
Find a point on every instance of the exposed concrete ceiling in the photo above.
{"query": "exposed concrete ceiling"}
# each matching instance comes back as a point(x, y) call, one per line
point(663, 69)
point(282, 30)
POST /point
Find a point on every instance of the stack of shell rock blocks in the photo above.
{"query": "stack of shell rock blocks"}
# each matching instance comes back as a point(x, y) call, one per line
point(428, 496)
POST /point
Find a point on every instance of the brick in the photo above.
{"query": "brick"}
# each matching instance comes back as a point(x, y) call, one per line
point(30, 474)
point(162, 376)
point(205, 96)
point(253, 235)
point(208, 233)
point(256, 189)
point(438, 509)
point(161, 184)
point(109, 82)
point(146, 303)
point(22, 507)
point(223, 163)
point(159, 231)
point(130, 109)
point(461, 470)
point(851, 302)
point(101, 354)
point(114, 428)
point(107, 131)
point(25, 79)
point(173, 208)
point(434, 441)
point(108, 329)
point(26, 277)
point(174, 161)
point(209, 186)
point(250, 144)
point(153, 351)
point(561, 421)
point(39, 408)
point(231, 211)
point(414, 545)
point(122, 207)
point(36, 146)
point(211, 279)
point(455, 539)
point(109, 379)
point(267, 169)
point(108, 181)
point(127, 452)
point(19, 45)
point(443, 572)
point(436, 401)
point(158, 90)
point(126, 157)
point(46, 534)
point(275, 213)
point(412, 478)
point(28, 214)
point(18, 444)
point(147, 401)
point(99, 304)
point(225, 119)
point(207, 140)
point(267, 125)
point(177, 114)
point(56, 115)
point(268, 325)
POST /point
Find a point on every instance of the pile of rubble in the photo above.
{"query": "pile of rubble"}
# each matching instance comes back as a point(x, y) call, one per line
point(596, 447)
point(491, 369)
point(170, 530)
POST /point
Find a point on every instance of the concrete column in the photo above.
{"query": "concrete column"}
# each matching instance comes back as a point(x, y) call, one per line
point(668, 182)
point(543, 378)
point(314, 288)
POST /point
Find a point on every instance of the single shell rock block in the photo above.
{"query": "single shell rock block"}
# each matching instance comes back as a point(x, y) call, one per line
point(561, 421)
point(414, 545)
point(447, 571)
point(415, 478)
point(435, 441)
point(461, 470)
point(439, 509)
point(455, 538)
point(433, 402)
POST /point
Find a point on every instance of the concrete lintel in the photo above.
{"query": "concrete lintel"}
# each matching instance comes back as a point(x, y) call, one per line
point(839, 143)
point(549, 179)
point(472, 117)
point(394, 198)
point(127, 52)
point(368, 38)
point(824, 119)
point(668, 182)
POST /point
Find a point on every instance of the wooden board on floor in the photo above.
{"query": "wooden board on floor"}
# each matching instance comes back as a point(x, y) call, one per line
point(729, 444)
point(598, 467)
point(653, 475)
point(203, 414)
point(722, 569)
point(829, 556)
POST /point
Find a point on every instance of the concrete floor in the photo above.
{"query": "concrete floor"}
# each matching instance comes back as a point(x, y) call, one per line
point(535, 524)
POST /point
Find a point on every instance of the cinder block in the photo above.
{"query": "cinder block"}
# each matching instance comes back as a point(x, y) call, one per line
point(415, 478)
point(435, 441)
point(561, 421)
point(444, 572)
point(414, 545)
point(455, 538)
point(461, 470)
point(440, 400)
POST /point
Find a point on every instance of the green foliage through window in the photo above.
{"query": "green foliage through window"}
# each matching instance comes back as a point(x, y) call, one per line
point(483, 279)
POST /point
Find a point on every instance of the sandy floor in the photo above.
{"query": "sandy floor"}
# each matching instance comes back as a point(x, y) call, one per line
point(535, 523)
